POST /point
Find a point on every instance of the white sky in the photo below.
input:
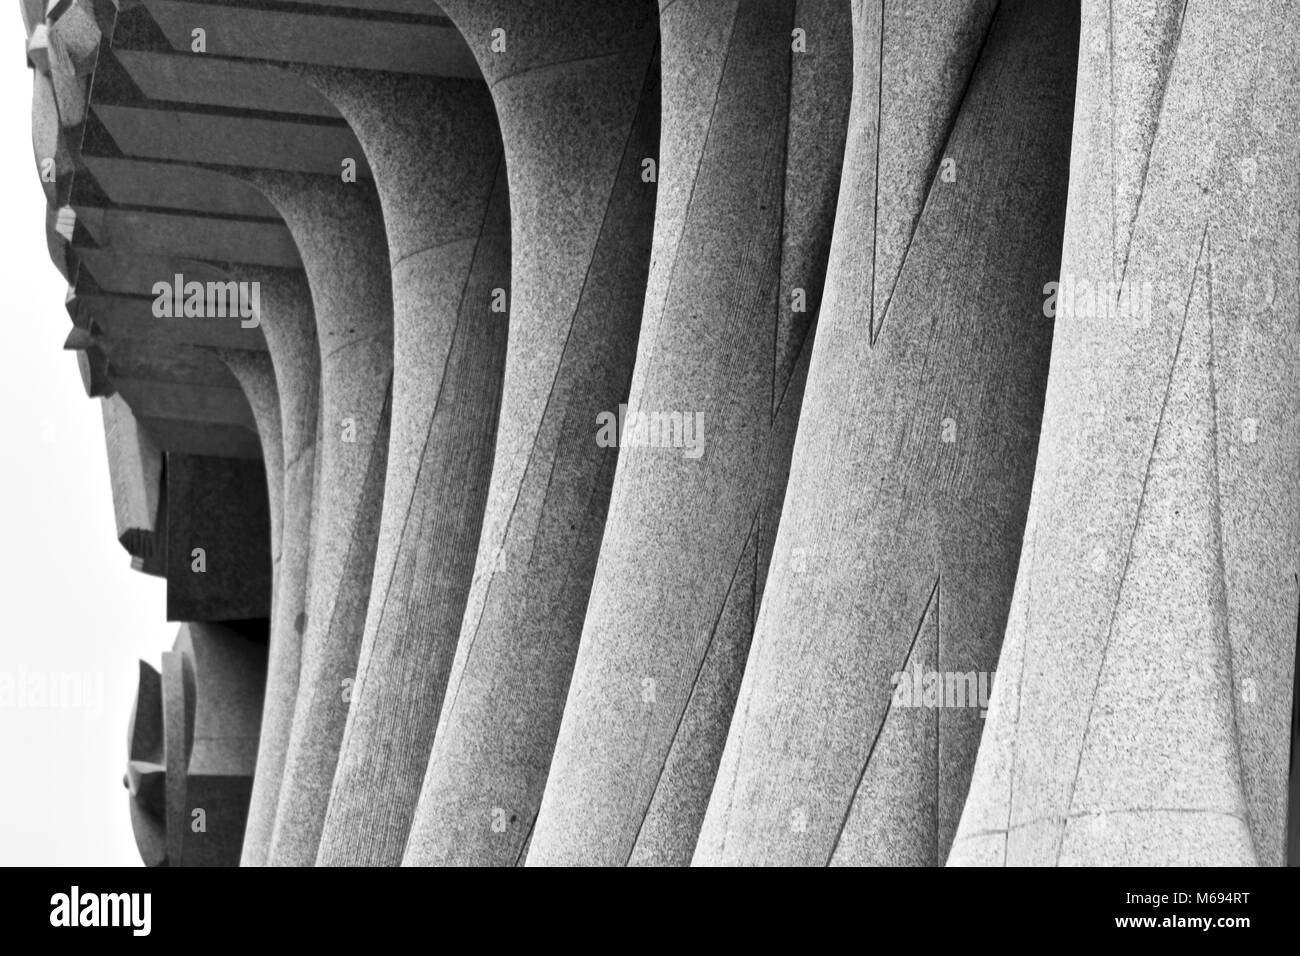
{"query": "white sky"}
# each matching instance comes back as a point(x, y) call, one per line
point(71, 602)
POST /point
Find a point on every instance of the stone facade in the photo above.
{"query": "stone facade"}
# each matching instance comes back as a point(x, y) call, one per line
point(700, 432)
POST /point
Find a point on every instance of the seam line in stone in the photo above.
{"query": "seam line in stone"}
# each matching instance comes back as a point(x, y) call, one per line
point(713, 633)
point(853, 795)
point(1128, 552)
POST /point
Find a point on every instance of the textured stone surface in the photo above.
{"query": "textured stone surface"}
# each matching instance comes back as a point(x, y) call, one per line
point(576, 94)
point(910, 477)
point(1143, 712)
point(256, 377)
point(339, 231)
point(146, 772)
point(286, 328)
point(193, 742)
point(218, 539)
point(496, 638)
point(436, 156)
point(135, 467)
point(290, 330)
point(660, 664)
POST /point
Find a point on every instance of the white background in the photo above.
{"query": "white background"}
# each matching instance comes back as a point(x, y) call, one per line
point(69, 600)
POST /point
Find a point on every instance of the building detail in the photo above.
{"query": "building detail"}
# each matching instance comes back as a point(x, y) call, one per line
point(715, 432)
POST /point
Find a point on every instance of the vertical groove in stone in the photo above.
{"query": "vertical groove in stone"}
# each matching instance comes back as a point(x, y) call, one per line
point(660, 663)
point(288, 325)
point(576, 94)
point(339, 232)
point(435, 152)
point(914, 455)
point(1143, 710)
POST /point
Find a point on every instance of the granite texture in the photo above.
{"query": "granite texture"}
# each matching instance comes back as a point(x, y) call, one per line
point(435, 152)
point(135, 470)
point(256, 376)
point(576, 95)
point(956, 322)
point(911, 472)
point(339, 231)
point(1144, 706)
point(660, 664)
point(217, 506)
point(289, 327)
point(193, 743)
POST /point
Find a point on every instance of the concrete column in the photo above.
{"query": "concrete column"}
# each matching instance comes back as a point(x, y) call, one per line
point(289, 326)
point(256, 377)
point(576, 92)
point(1143, 711)
point(755, 117)
point(435, 152)
point(911, 472)
point(339, 232)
